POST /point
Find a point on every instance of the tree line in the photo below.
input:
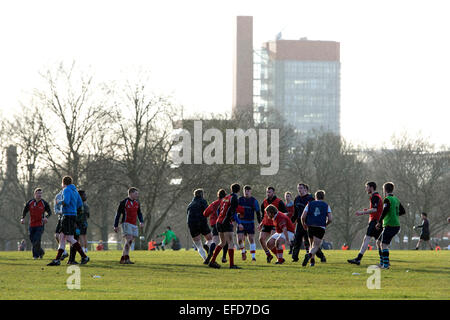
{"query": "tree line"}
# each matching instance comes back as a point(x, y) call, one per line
point(112, 136)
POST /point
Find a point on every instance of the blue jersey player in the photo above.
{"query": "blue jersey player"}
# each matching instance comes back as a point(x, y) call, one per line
point(251, 206)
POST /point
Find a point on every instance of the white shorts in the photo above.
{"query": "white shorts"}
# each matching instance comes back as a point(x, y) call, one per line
point(129, 229)
point(277, 236)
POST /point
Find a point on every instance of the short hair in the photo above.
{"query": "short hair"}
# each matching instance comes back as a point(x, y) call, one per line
point(67, 180)
point(389, 187)
point(221, 193)
point(271, 208)
point(320, 194)
point(198, 193)
point(424, 214)
point(287, 193)
point(271, 188)
point(372, 185)
point(235, 187)
point(37, 189)
point(132, 190)
point(247, 187)
point(168, 227)
point(304, 185)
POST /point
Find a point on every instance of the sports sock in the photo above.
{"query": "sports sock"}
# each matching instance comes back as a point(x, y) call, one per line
point(267, 253)
point(280, 254)
point(381, 255)
point(77, 247)
point(72, 253)
point(360, 256)
point(211, 249)
point(59, 254)
point(386, 257)
point(225, 250)
point(216, 253)
point(231, 256)
point(200, 249)
point(320, 254)
point(253, 250)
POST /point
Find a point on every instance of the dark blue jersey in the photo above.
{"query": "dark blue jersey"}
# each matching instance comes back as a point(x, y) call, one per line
point(251, 206)
point(195, 210)
point(300, 203)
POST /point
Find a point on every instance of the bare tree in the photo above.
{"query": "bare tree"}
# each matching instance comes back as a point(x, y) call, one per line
point(72, 108)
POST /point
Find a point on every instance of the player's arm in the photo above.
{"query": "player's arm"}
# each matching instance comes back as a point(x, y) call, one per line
point(120, 212)
point(329, 217)
point(210, 209)
point(66, 196)
point(303, 218)
point(386, 207)
point(286, 235)
point(231, 212)
point(375, 203)
point(257, 211)
point(24, 212)
point(47, 209)
point(296, 212)
point(402, 210)
point(140, 217)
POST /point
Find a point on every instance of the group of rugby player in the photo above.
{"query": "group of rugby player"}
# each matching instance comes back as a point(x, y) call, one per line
point(306, 218)
point(280, 226)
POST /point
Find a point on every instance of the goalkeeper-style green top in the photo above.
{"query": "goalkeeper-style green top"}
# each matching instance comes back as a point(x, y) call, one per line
point(169, 235)
point(391, 217)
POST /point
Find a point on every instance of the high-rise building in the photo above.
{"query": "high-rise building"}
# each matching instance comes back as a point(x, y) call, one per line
point(297, 79)
point(300, 79)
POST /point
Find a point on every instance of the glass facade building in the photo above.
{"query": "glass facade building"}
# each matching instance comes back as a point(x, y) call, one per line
point(299, 80)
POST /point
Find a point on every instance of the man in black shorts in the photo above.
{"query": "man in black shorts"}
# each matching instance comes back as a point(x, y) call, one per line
point(198, 224)
point(425, 234)
point(374, 212)
point(58, 212)
point(315, 218)
point(70, 203)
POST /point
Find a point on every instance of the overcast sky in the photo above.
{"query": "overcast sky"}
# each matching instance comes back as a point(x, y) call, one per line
point(395, 57)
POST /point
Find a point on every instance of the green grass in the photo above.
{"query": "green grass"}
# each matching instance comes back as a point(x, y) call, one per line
point(180, 275)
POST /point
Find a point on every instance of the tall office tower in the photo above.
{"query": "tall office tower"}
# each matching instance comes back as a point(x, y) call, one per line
point(299, 80)
point(242, 104)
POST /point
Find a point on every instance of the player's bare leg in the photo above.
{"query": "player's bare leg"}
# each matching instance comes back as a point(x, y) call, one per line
point(126, 250)
point(229, 236)
point(263, 236)
point(279, 246)
point(251, 240)
point(241, 244)
point(198, 244)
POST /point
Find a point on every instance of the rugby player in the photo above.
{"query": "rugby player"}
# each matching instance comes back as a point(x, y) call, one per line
point(374, 212)
point(198, 224)
point(70, 204)
point(130, 210)
point(266, 227)
point(284, 231)
point(227, 213)
point(315, 218)
point(425, 233)
point(250, 206)
point(37, 207)
point(211, 212)
point(392, 209)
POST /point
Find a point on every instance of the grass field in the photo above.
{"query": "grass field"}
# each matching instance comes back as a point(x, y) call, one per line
point(180, 275)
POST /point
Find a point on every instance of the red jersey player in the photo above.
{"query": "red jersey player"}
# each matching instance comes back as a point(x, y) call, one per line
point(266, 227)
point(228, 210)
point(284, 232)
